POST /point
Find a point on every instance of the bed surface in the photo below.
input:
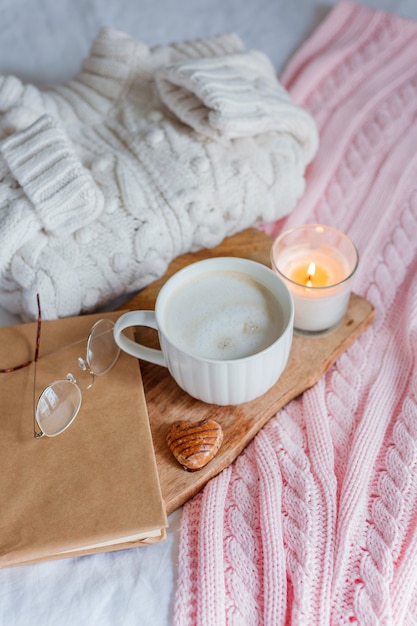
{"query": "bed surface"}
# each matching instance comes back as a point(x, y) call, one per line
point(45, 42)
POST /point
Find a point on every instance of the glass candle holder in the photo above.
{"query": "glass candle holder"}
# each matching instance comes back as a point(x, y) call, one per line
point(317, 263)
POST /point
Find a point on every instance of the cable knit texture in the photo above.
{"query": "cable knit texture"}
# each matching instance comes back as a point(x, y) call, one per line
point(316, 521)
point(145, 155)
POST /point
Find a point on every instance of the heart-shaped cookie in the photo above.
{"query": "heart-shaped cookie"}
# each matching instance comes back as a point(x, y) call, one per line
point(194, 444)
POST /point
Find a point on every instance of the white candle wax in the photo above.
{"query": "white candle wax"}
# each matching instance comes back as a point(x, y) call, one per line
point(317, 263)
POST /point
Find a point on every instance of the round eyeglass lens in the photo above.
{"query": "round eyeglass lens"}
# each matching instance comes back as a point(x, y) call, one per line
point(57, 407)
point(102, 350)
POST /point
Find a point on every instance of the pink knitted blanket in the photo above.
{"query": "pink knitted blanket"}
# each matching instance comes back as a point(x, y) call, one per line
point(316, 521)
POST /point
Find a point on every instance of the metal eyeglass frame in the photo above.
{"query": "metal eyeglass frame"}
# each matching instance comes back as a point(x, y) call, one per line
point(83, 364)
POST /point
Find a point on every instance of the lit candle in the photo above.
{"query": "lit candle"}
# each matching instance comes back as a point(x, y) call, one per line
point(312, 276)
point(317, 263)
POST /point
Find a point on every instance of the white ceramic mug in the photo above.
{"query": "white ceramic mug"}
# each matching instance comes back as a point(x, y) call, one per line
point(225, 328)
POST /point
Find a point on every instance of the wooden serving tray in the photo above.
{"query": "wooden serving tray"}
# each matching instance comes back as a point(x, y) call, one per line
point(309, 359)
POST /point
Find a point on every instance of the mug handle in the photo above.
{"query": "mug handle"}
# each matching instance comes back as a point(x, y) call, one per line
point(138, 318)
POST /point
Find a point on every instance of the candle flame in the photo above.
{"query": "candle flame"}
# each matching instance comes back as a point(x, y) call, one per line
point(311, 270)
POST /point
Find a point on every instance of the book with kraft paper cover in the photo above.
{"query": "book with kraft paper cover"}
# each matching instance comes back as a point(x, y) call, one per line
point(94, 487)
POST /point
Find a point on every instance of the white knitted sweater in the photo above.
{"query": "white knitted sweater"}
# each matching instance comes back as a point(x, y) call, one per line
point(145, 155)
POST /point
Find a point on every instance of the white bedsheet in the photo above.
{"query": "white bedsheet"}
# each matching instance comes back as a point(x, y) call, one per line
point(45, 41)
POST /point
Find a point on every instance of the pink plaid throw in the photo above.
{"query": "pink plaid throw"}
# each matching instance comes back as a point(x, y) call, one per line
point(316, 521)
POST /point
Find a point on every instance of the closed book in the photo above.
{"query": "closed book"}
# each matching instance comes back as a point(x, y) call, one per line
point(94, 487)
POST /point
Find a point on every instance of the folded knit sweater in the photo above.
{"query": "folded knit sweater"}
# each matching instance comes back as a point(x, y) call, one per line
point(145, 155)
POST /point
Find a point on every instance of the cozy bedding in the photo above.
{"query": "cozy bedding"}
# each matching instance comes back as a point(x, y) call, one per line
point(315, 522)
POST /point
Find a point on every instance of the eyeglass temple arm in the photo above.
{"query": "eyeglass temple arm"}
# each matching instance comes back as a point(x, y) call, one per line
point(36, 433)
point(7, 370)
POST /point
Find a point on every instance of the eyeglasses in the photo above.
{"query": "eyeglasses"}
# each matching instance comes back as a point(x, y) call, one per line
point(60, 402)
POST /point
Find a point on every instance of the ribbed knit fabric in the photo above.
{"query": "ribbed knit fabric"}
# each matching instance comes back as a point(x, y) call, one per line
point(316, 521)
point(145, 155)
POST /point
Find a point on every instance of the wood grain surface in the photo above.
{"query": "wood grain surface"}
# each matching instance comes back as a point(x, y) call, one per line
point(309, 359)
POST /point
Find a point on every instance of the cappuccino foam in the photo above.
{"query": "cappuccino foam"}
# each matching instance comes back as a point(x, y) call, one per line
point(223, 315)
